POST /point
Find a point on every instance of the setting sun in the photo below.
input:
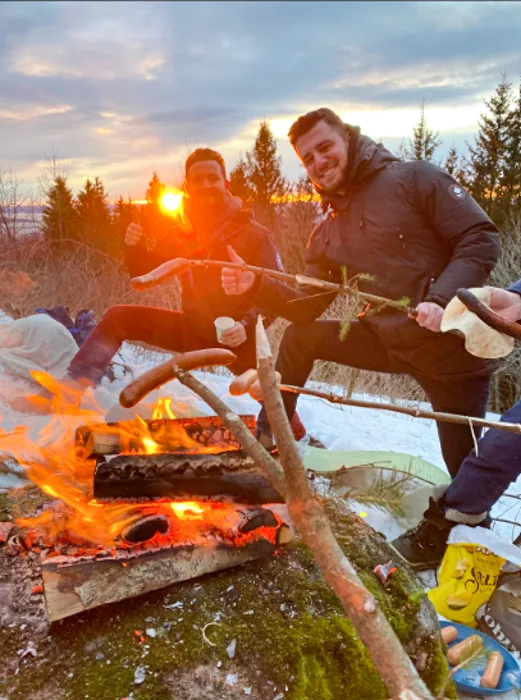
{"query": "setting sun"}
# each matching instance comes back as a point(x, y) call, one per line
point(171, 201)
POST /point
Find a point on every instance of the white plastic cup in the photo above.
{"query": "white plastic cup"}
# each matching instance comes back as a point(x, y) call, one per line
point(223, 323)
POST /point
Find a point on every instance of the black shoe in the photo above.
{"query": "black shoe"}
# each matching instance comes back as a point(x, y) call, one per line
point(423, 547)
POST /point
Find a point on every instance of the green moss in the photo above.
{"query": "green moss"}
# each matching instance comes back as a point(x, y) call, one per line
point(289, 628)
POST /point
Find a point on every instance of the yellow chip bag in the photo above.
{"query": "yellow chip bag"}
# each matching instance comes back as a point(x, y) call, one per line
point(467, 578)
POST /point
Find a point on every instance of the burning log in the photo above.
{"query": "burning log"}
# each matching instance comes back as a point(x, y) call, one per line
point(167, 435)
point(75, 584)
point(229, 474)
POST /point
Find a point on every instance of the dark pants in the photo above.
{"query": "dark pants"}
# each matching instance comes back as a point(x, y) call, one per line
point(483, 478)
point(159, 327)
point(302, 344)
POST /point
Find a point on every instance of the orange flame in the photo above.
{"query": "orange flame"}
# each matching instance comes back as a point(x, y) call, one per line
point(53, 462)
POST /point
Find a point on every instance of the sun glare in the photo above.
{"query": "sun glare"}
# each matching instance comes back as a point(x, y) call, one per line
point(171, 201)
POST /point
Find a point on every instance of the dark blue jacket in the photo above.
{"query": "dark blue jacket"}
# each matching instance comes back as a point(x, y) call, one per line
point(516, 287)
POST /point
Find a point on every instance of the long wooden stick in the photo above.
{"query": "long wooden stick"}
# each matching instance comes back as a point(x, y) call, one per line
point(385, 649)
point(174, 267)
point(415, 412)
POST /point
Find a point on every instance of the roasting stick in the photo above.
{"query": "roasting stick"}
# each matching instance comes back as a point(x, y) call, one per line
point(415, 412)
point(498, 323)
point(172, 268)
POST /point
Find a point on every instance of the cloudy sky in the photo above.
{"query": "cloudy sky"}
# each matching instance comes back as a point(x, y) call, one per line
point(118, 89)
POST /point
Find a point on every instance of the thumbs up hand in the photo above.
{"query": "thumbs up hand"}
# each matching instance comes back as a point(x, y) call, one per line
point(234, 281)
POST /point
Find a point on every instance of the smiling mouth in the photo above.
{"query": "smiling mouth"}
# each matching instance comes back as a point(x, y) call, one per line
point(328, 171)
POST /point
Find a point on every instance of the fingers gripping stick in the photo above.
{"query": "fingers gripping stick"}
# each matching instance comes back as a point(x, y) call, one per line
point(156, 377)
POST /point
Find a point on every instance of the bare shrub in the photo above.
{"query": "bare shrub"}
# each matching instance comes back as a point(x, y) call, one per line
point(84, 278)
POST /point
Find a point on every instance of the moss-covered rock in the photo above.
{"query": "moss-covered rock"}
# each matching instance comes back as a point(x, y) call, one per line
point(272, 629)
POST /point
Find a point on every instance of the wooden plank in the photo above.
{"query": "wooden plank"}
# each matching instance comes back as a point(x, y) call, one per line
point(71, 587)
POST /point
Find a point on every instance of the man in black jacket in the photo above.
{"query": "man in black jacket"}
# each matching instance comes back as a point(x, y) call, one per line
point(210, 219)
point(418, 234)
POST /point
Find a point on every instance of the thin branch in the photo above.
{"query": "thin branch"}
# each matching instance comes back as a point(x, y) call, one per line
point(385, 649)
point(250, 445)
point(415, 412)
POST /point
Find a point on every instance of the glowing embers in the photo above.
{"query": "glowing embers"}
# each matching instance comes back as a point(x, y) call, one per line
point(165, 543)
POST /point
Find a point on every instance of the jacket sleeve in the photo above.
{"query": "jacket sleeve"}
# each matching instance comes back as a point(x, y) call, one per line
point(298, 305)
point(139, 260)
point(264, 254)
point(471, 236)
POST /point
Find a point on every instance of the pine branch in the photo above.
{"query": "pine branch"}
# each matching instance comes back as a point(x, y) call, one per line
point(388, 655)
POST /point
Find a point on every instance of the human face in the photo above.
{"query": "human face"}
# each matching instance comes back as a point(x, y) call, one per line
point(206, 184)
point(323, 152)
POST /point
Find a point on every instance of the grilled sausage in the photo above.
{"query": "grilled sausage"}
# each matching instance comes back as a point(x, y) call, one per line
point(157, 376)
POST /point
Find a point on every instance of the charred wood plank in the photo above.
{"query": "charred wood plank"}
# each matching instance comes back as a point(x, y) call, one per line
point(73, 586)
point(189, 477)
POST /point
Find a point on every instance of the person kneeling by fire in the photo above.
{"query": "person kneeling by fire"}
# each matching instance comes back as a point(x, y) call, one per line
point(483, 477)
point(209, 219)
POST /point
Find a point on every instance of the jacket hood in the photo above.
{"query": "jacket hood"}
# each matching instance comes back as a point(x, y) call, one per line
point(365, 159)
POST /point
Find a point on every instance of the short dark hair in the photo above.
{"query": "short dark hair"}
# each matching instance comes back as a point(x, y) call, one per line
point(307, 121)
point(201, 154)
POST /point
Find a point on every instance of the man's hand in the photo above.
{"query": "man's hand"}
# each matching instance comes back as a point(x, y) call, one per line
point(429, 316)
point(504, 303)
point(235, 336)
point(235, 281)
point(133, 235)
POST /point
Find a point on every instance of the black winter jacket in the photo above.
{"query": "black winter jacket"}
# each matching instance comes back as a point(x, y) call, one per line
point(419, 233)
point(203, 298)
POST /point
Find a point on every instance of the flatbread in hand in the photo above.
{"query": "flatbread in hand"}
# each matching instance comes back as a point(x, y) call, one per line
point(480, 339)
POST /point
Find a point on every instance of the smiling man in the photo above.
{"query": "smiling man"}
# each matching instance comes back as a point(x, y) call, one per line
point(418, 234)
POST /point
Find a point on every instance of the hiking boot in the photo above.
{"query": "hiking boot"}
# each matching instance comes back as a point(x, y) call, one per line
point(423, 546)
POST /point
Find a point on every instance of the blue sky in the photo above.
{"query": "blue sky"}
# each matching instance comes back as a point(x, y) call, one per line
point(118, 89)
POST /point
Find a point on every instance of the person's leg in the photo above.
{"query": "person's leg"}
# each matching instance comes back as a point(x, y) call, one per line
point(246, 359)
point(482, 478)
point(154, 326)
point(469, 398)
point(302, 344)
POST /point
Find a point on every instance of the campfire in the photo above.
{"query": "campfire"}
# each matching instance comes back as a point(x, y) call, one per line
point(141, 504)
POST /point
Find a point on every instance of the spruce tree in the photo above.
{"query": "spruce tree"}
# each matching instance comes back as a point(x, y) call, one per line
point(60, 219)
point(125, 212)
point(424, 141)
point(451, 163)
point(94, 216)
point(239, 181)
point(487, 158)
point(264, 168)
point(512, 169)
